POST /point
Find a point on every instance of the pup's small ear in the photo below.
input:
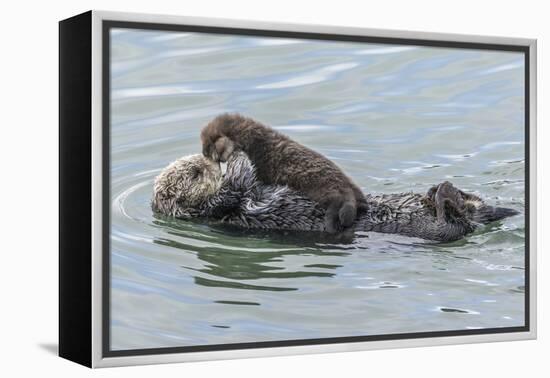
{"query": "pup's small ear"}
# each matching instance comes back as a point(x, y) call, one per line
point(224, 148)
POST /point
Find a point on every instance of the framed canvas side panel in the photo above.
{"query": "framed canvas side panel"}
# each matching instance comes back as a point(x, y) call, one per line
point(100, 164)
point(75, 218)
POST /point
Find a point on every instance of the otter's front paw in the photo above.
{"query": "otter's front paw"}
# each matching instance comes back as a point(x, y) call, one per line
point(224, 148)
point(218, 148)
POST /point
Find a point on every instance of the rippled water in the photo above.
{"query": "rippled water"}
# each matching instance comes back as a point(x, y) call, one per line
point(394, 118)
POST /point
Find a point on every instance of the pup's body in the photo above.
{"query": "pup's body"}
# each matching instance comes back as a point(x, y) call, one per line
point(191, 187)
point(281, 161)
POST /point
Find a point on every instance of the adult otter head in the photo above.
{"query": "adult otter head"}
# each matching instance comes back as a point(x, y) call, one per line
point(185, 184)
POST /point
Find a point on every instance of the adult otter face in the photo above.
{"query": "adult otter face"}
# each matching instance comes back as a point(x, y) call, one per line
point(185, 184)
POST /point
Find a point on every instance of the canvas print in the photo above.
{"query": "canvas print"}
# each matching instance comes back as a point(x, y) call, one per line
point(267, 189)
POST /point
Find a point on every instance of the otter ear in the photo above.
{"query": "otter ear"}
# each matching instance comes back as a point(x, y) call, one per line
point(224, 148)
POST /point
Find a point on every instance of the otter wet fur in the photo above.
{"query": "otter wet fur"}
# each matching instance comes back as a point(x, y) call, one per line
point(280, 160)
point(193, 187)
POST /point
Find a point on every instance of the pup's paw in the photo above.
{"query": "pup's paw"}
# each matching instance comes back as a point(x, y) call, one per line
point(224, 147)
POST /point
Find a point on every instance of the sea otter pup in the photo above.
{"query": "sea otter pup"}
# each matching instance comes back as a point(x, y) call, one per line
point(280, 160)
point(193, 187)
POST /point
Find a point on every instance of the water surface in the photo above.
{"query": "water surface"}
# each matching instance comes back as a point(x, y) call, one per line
point(395, 118)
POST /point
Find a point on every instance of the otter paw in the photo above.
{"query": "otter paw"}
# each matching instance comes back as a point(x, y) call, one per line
point(340, 216)
point(224, 148)
point(447, 199)
point(217, 147)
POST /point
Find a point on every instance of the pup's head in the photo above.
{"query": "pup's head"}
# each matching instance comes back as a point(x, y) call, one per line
point(185, 184)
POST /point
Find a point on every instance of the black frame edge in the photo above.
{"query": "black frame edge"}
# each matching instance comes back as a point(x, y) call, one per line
point(106, 191)
point(75, 190)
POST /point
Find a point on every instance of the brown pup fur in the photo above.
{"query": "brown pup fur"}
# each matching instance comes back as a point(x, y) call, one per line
point(283, 161)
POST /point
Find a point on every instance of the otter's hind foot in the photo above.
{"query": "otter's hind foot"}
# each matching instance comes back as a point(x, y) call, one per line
point(340, 215)
point(447, 199)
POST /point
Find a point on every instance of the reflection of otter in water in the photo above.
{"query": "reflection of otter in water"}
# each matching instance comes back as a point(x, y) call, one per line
point(193, 187)
point(280, 160)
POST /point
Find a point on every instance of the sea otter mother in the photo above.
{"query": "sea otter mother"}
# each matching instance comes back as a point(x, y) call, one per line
point(194, 187)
